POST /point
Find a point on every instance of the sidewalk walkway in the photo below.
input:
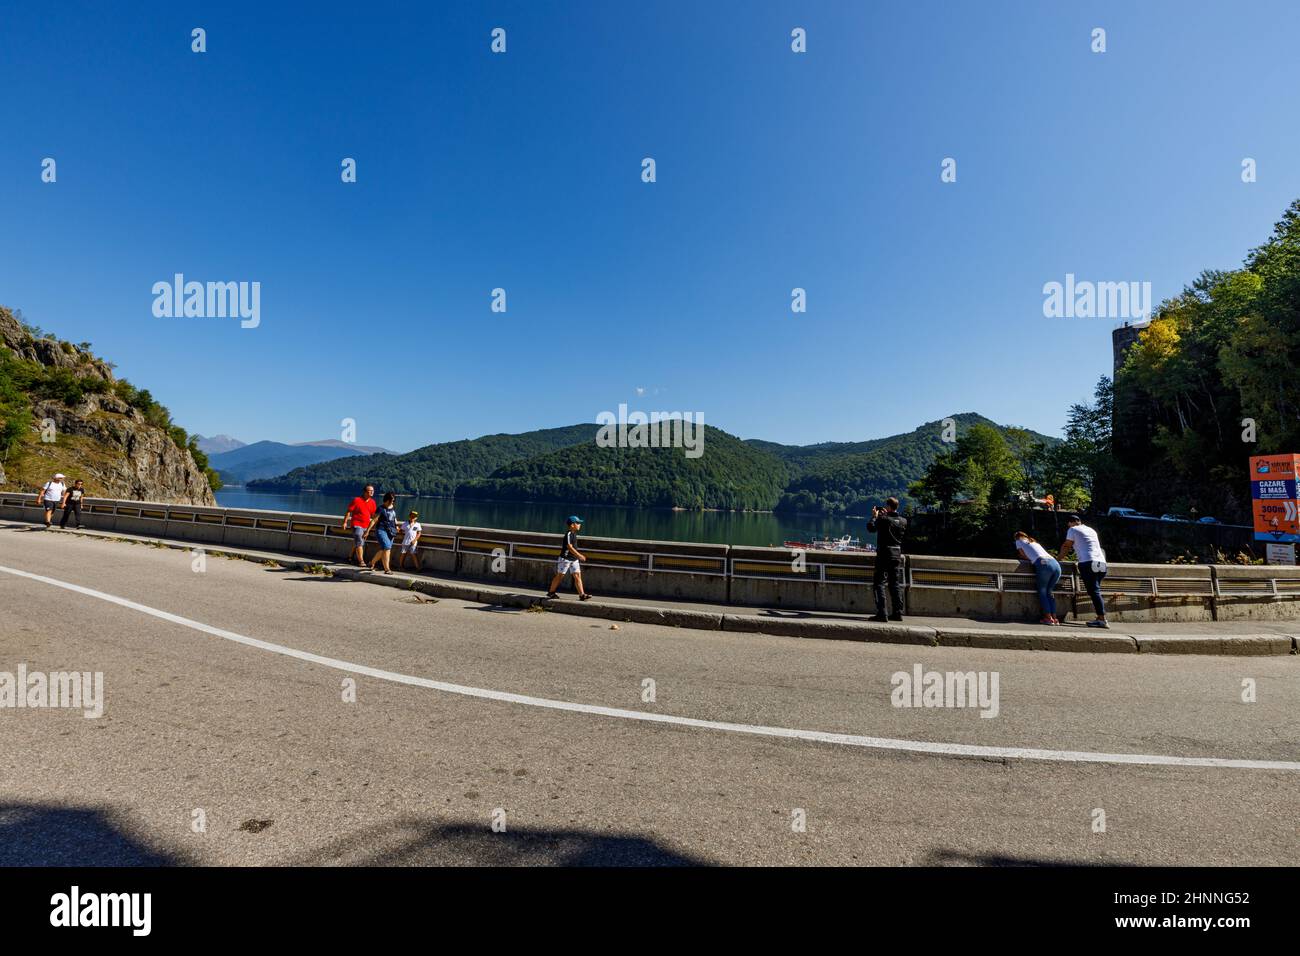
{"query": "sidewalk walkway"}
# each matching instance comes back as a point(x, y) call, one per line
point(1239, 638)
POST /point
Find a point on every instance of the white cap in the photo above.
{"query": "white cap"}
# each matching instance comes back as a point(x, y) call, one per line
point(59, 474)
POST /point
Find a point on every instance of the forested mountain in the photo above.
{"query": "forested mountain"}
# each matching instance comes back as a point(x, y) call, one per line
point(565, 464)
point(849, 477)
point(436, 470)
point(730, 475)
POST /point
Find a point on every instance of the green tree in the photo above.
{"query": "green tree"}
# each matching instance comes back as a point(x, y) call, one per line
point(1072, 469)
point(1216, 362)
point(975, 481)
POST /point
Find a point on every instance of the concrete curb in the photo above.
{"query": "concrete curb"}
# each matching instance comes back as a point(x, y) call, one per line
point(1245, 645)
point(1067, 639)
point(829, 630)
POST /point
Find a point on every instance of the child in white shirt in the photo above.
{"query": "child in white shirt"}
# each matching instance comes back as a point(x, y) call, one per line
point(411, 530)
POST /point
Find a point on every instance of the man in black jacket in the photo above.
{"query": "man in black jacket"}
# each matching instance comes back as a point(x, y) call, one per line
point(889, 527)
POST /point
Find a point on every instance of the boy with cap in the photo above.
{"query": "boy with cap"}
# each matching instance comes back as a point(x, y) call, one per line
point(569, 562)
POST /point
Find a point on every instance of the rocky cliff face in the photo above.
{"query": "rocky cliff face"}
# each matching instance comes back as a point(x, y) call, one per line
point(102, 439)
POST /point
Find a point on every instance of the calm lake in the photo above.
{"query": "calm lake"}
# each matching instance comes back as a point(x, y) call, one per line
point(715, 527)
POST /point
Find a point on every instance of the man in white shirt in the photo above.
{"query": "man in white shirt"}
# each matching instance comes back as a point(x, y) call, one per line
point(52, 496)
point(1092, 563)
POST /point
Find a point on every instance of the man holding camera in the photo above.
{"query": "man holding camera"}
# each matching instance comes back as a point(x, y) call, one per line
point(889, 527)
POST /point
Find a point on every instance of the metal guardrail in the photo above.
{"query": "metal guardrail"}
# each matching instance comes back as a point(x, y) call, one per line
point(650, 561)
point(1013, 582)
point(818, 567)
point(1173, 585)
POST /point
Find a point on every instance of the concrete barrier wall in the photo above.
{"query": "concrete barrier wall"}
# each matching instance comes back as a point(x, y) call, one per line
point(768, 577)
point(673, 569)
point(803, 580)
point(1152, 592)
point(986, 587)
point(1243, 594)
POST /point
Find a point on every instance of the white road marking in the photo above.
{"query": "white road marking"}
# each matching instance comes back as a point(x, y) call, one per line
point(818, 736)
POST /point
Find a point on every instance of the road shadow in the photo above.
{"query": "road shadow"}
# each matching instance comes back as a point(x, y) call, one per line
point(958, 858)
point(416, 842)
point(790, 614)
point(33, 834)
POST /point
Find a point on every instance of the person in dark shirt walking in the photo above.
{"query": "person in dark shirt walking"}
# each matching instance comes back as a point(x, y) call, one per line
point(72, 503)
point(889, 527)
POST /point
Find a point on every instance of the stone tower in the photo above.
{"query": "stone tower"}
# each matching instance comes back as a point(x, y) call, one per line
point(1122, 339)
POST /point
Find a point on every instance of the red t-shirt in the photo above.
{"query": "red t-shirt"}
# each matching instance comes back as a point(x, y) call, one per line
point(363, 509)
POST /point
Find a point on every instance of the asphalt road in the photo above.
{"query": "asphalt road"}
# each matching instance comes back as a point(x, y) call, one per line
point(285, 770)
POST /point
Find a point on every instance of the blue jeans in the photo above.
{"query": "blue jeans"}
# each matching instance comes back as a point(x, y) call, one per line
point(1092, 581)
point(1047, 572)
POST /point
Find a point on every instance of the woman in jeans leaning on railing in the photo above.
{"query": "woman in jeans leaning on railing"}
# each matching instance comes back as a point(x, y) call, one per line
point(1047, 572)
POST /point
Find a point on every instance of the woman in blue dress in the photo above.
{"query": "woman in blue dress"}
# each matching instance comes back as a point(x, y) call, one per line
point(385, 532)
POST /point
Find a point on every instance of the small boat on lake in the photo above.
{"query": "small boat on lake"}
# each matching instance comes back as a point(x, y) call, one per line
point(825, 543)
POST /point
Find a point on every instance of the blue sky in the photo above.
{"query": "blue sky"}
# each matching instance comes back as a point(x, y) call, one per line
point(523, 171)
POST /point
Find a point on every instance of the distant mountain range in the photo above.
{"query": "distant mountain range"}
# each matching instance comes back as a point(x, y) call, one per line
point(242, 463)
point(217, 444)
point(566, 465)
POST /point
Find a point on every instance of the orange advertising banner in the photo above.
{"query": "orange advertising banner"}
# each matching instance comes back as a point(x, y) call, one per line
point(1278, 467)
point(1275, 497)
point(1277, 517)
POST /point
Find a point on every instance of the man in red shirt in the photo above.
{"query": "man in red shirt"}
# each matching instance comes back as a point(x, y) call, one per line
point(361, 516)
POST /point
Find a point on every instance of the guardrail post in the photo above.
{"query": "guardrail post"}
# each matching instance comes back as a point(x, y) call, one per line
point(1214, 593)
point(727, 570)
point(905, 572)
